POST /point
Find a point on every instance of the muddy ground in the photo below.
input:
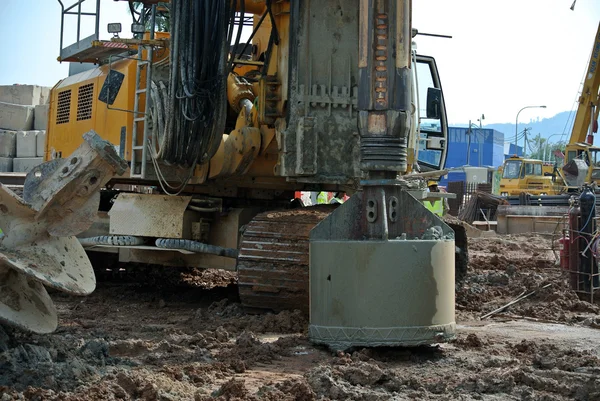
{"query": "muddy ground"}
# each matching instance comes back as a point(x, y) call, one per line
point(184, 336)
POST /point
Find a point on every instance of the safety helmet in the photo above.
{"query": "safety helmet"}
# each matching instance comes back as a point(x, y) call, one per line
point(432, 183)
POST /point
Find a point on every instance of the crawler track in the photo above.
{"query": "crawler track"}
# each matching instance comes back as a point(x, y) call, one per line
point(273, 259)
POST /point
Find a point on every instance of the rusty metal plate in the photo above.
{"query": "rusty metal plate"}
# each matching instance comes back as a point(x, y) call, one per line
point(25, 303)
point(148, 215)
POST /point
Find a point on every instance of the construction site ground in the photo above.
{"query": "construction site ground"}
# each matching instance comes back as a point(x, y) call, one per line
point(164, 334)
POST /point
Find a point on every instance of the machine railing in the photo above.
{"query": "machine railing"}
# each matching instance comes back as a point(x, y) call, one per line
point(80, 44)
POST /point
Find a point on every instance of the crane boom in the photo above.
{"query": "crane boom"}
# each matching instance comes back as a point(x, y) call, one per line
point(588, 101)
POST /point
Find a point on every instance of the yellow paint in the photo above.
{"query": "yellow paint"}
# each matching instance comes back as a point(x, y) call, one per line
point(248, 151)
point(64, 138)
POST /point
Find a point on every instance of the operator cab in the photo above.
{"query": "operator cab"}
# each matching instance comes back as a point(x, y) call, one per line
point(529, 175)
point(519, 168)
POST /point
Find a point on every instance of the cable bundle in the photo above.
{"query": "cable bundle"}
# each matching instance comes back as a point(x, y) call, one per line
point(189, 118)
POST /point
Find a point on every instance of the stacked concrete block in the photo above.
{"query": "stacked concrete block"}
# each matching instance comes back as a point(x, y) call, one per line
point(8, 150)
point(40, 121)
point(22, 107)
point(26, 144)
point(6, 164)
point(28, 95)
point(25, 164)
point(40, 143)
point(27, 150)
point(8, 143)
point(16, 117)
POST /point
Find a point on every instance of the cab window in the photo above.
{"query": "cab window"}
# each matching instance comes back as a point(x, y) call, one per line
point(512, 169)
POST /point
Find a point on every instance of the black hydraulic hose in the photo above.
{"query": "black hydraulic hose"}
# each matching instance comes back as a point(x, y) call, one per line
point(197, 247)
point(238, 37)
point(260, 21)
point(195, 108)
point(274, 31)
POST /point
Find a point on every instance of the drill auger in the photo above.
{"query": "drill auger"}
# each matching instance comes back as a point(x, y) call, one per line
point(60, 200)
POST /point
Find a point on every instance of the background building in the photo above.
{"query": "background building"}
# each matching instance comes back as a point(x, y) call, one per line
point(477, 148)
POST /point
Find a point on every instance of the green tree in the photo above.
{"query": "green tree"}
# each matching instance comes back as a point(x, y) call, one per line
point(540, 148)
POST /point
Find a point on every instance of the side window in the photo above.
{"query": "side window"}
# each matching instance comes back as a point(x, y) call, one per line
point(425, 77)
point(433, 132)
point(538, 169)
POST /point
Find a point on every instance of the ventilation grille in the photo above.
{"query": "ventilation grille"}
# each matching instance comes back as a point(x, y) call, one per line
point(84, 102)
point(63, 111)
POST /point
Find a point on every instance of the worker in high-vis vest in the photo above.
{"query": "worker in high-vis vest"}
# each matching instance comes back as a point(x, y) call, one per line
point(322, 198)
point(337, 198)
point(438, 207)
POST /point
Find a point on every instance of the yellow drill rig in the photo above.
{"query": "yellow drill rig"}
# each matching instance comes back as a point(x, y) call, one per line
point(219, 134)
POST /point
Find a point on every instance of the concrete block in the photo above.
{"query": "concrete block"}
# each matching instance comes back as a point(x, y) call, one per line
point(25, 164)
point(40, 140)
point(30, 95)
point(6, 164)
point(16, 117)
point(8, 143)
point(40, 120)
point(27, 144)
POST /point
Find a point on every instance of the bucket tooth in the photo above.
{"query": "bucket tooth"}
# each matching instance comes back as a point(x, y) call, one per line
point(24, 303)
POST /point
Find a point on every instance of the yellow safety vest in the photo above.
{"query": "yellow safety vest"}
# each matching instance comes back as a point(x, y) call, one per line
point(322, 198)
point(436, 207)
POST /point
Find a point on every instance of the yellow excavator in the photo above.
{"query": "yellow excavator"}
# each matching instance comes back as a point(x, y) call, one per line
point(218, 133)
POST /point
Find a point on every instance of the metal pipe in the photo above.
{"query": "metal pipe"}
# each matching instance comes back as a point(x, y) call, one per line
point(469, 144)
point(74, 5)
point(517, 123)
point(79, 19)
point(83, 13)
point(194, 246)
point(198, 200)
point(203, 209)
point(148, 86)
point(62, 23)
point(97, 19)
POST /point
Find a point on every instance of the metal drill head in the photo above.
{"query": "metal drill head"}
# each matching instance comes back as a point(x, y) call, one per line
point(38, 246)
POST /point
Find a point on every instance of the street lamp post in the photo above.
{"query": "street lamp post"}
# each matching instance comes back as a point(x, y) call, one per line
point(481, 138)
point(517, 123)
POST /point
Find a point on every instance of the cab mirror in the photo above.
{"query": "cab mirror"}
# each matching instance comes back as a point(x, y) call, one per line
point(434, 103)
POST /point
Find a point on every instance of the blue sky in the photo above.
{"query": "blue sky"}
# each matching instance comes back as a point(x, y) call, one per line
point(504, 55)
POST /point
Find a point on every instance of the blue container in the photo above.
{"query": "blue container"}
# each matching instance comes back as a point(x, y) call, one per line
point(486, 147)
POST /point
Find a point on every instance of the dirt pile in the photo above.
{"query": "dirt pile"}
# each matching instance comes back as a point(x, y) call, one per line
point(52, 361)
point(232, 317)
point(505, 267)
point(248, 350)
point(194, 341)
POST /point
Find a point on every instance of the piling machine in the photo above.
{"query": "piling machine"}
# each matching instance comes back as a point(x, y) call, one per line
point(218, 134)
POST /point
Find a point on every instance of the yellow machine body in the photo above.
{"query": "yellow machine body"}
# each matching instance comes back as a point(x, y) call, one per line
point(530, 176)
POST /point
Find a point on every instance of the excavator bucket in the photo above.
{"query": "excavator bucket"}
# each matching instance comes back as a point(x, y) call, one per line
point(38, 247)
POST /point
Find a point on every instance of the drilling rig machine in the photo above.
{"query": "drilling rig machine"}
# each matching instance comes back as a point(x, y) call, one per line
point(325, 96)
